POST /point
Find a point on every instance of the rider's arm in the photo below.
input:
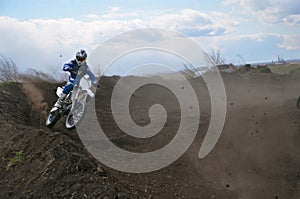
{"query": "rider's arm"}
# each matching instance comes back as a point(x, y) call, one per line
point(72, 68)
point(69, 66)
point(91, 75)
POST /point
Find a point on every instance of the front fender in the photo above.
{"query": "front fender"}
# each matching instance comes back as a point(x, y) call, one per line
point(59, 91)
point(90, 93)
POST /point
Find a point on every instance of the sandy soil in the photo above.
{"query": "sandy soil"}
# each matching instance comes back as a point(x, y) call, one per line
point(257, 155)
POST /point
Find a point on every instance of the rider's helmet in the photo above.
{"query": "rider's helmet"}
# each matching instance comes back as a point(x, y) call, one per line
point(81, 56)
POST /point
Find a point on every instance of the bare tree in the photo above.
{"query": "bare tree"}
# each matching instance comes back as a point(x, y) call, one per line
point(189, 70)
point(210, 59)
point(241, 60)
point(216, 57)
point(8, 70)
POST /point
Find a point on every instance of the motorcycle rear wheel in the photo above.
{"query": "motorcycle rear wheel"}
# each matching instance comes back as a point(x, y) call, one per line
point(75, 115)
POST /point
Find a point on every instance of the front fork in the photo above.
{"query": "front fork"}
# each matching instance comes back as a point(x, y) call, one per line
point(80, 98)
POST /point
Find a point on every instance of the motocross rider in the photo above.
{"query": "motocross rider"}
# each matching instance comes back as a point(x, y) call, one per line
point(74, 67)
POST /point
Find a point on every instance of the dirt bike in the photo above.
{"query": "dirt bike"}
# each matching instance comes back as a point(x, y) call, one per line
point(73, 105)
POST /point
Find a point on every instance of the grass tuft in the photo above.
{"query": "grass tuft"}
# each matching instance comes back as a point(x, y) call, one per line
point(17, 159)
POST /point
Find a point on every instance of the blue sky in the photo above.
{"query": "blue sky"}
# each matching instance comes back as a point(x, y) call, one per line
point(61, 8)
point(44, 34)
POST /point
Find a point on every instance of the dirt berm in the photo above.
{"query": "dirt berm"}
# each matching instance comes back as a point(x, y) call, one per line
point(257, 155)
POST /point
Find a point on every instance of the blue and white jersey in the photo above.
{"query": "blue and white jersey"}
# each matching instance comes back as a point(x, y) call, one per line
point(74, 68)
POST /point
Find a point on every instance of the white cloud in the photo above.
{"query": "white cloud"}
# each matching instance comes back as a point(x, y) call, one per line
point(68, 32)
point(188, 21)
point(290, 42)
point(38, 43)
point(292, 20)
point(196, 23)
point(270, 11)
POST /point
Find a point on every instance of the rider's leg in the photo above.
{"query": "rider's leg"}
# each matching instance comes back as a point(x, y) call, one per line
point(67, 88)
point(60, 100)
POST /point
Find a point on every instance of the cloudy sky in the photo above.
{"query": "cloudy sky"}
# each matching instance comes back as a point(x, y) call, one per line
point(44, 34)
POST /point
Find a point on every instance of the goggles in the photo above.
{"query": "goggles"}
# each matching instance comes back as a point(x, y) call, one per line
point(81, 59)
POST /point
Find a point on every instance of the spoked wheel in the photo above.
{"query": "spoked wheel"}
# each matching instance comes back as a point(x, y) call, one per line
point(75, 115)
point(52, 119)
point(298, 102)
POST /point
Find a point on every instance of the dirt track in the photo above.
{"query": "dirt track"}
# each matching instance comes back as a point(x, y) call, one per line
point(257, 155)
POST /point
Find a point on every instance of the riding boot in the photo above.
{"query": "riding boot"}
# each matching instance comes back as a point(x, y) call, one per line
point(60, 100)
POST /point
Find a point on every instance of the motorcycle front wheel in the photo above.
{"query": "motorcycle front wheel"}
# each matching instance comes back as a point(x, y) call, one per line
point(75, 115)
point(52, 119)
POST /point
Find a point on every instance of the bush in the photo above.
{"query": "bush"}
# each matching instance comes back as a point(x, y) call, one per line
point(8, 70)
